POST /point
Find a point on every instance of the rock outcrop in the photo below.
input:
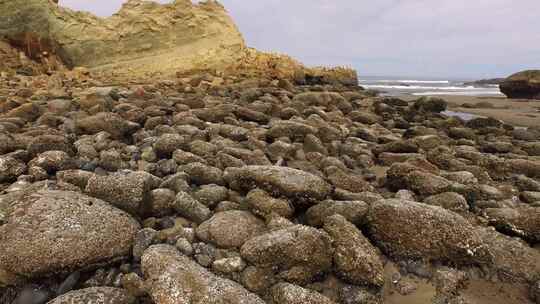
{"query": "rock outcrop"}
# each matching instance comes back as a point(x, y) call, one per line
point(148, 38)
point(144, 35)
point(53, 231)
point(522, 85)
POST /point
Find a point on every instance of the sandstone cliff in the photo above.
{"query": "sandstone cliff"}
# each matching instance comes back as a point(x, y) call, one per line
point(145, 37)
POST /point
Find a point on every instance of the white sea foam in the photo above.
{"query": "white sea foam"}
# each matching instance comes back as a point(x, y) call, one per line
point(402, 87)
point(460, 93)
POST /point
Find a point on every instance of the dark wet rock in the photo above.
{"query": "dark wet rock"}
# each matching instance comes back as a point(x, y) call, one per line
point(173, 278)
point(262, 203)
point(483, 122)
point(430, 104)
point(522, 85)
point(230, 229)
point(355, 259)
point(523, 222)
point(69, 283)
point(126, 190)
point(449, 200)
point(111, 123)
point(292, 183)
point(354, 211)
point(285, 293)
point(298, 252)
point(96, 295)
point(192, 209)
point(398, 228)
point(32, 295)
point(462, 133)
point(52, 231)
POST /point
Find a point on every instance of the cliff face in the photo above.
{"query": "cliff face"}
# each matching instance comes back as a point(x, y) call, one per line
point(145, 37)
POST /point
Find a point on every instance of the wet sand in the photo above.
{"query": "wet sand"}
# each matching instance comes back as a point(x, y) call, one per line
point(477, 291)
point(517, 112)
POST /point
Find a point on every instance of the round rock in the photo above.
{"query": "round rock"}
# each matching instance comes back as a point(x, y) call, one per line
point(50, 231)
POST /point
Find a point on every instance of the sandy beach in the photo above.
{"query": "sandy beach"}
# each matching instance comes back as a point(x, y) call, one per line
point(517, 112)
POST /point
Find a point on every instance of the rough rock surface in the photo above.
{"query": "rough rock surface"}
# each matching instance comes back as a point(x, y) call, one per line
point(355, 259)
point(524, 222)
point(230, 229)
point(524, 85)
point(413, 230)
point(293, 183)
point(292, 294)
point(95, 295)
point(174, 278)
point(127, 191)
point(51, 231)
point(299, 252)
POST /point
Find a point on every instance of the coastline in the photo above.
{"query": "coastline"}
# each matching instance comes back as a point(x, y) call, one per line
point(517, 112)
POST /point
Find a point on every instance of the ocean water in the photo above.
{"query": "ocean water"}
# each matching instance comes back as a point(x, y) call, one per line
point(398, 86)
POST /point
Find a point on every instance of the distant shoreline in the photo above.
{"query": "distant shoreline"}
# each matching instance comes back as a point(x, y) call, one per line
point(517, 112)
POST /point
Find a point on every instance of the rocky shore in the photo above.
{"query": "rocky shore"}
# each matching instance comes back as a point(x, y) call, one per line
point(262, 181)
point(248, 190)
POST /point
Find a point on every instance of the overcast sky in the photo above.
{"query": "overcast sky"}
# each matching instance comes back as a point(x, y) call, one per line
point(430, 38)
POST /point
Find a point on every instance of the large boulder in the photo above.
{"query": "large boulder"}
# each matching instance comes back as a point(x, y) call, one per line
point(299, 185)
point(95, 295)
point(407, 229)
point(173, 278)
point(299, 252)
point(524, 84)
point(54, 231)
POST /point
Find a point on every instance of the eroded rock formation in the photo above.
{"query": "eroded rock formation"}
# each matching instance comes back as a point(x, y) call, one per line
point(524, 85)
point(145, 37)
